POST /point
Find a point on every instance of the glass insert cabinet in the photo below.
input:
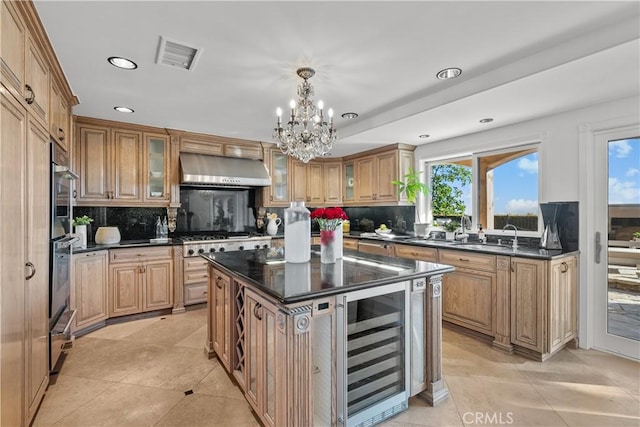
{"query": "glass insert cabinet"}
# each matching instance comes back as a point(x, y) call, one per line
point(156, 155)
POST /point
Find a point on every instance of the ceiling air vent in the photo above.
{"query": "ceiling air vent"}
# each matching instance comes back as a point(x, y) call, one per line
point(177, 54)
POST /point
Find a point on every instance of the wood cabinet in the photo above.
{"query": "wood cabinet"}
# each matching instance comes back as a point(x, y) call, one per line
point(373, 173)
point(24, 265)
point(13, 34)
point(220, 316)
point(195, 280)
point(277, 194)
point(307, 182)
point(26, 64)
point(543, 304)
point(350, 243)
point(140, 280)
point(563, 296)
point(90, 289)
point(376, 248)
point(36, 83)
point(155, 170)
point(59, 116)
point(416, 252)
point(121, 166)
point(332, 180)
point(264, 362)
point(469, 293)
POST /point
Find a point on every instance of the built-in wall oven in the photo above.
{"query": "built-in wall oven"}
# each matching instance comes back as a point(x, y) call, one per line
point(61, 244)
point(372, 361)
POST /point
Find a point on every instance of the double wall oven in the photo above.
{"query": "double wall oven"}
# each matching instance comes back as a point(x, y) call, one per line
point(60, 245)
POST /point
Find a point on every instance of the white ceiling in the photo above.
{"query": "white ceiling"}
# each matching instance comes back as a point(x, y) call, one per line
point(520, 60)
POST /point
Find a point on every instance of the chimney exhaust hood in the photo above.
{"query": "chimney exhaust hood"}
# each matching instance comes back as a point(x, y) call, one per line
point(216, 171)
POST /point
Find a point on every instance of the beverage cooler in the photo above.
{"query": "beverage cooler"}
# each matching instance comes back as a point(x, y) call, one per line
point(373, 375)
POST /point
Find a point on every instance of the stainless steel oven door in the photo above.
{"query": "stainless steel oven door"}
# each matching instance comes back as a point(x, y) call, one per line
point(60, 282)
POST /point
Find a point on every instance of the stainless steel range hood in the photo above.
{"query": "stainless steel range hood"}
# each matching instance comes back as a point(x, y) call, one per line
point(215, 171)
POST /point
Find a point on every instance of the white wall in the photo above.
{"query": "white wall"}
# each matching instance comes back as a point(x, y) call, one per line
point(559, 166)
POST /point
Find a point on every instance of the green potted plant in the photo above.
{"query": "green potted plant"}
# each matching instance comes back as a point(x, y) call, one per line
point(412, 186)
point(636, 236)
point(80, 224)
point(450, 229)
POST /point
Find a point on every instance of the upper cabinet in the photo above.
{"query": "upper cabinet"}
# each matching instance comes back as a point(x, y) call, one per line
point(277, 194)
point(12, 42)
point(59, 116)
point(36, 83)
point(370, 181)
point(120, 166)
point(29, 70)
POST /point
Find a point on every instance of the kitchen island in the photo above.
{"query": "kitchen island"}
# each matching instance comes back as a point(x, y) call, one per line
point(327, 344)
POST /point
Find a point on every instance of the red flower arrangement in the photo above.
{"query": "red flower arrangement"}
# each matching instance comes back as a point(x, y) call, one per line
point(329, 218)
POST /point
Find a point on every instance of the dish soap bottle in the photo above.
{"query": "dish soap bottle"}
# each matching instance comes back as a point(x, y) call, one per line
point(481, 235)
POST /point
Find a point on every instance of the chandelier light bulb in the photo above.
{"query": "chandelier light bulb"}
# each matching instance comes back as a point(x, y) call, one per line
point(320, 105)
point(292, 104)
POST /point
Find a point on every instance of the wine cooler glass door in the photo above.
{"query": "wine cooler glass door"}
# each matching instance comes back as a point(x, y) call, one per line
point(374, 362)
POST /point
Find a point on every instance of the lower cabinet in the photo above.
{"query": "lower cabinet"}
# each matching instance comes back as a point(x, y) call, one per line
point(196, 279)
point(543, 304)
point(89, 289)
point(145, 284)
point(416, 252)
point(468, 298)
point(220, 316)
point(264, 361)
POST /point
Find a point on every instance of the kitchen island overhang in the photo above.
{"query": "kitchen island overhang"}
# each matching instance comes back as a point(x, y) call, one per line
point(327, 344)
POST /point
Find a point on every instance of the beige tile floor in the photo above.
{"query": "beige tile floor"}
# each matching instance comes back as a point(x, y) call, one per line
point(136, 374)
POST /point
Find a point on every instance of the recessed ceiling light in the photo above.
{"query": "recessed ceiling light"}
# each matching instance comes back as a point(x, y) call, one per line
point(123, 109)
point(487, 120)
point(448, 73)
point(123, 63)
point(424, 135)
point(350, 115)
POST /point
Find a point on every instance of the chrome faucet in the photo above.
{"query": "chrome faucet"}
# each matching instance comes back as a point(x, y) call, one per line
point(463, 225)
point(515, 238)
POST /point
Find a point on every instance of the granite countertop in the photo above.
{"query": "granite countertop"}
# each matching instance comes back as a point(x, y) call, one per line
point(122, 244)
point(473, 246)
point(267, 270)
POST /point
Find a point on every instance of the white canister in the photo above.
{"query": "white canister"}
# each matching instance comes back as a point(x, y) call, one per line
point(81, 231)
point(107, 236)
point(297, 233)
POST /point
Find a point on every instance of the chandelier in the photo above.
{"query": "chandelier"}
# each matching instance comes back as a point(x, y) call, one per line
point(306, 135)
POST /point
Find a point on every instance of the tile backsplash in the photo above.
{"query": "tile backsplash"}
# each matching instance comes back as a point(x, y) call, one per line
point(133, 223)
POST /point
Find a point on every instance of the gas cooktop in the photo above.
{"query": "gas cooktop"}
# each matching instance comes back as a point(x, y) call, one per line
point(216, 235)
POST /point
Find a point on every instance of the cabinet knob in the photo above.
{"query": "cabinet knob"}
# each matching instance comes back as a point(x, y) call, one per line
point(565, 267)
point(61, 134)
point(32, 95)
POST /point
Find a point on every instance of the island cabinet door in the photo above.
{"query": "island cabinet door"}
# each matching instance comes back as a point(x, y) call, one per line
point(89, 289)
point(467, 299)
point(221, 317)
point(262, 365)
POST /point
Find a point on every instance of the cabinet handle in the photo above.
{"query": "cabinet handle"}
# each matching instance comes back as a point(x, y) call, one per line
point(75, 194)
point(32, 95)
point(513, 269)
point(565, 267)
point(271, 198)
point(33, 270)
point(218, 280)
point(256, 311)
point(61, 134)
point(463, 259)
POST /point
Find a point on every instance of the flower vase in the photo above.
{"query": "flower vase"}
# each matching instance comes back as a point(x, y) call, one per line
point(81, 231)
point(327, 246)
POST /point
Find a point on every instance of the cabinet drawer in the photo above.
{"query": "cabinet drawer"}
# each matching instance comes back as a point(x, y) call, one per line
point(419, 253)
point(195, 264)
point(468, 260)
point(140, 254)
point(196, 276)
point(195, 293)
point(348, 243)
point(376, 248)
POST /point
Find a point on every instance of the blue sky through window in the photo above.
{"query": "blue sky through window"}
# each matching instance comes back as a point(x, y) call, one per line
point(515, 186)
point(624, 172)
